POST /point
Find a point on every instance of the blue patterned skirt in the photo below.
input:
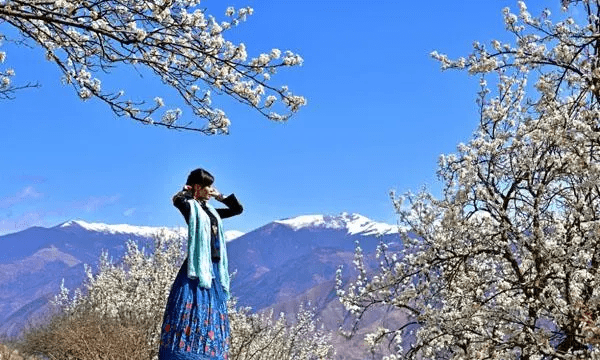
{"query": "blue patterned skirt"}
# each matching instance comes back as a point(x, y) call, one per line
point(195, 324)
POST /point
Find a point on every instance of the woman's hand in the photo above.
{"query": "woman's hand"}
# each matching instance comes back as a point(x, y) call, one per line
point(216, 194)
point(205, 192)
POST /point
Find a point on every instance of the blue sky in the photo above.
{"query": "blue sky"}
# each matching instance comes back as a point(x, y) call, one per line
point(379, 114)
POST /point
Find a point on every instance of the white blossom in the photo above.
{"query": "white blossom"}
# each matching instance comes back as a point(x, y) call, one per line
point(505, 263)
point(171, 116)
point(85, 94)
point(275, 54)
point(270, 100)
point(175, 40)
point(137, 287)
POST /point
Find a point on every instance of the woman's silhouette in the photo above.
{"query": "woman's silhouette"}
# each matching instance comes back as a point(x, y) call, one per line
point(196, 324)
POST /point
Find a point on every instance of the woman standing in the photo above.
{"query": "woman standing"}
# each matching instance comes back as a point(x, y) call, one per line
point(196, 324)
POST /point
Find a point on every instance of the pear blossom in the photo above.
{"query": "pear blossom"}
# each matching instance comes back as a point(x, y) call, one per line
point(275, 54)
point(504, 264)
point(138, 285)
point(270, 100)
point(171, 116)
point(176, 40)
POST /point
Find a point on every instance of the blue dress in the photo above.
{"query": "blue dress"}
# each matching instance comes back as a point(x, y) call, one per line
point(196, 323)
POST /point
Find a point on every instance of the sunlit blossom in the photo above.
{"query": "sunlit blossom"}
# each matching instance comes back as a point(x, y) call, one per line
point(178, 41)
point(504, 263)
point(138, 286)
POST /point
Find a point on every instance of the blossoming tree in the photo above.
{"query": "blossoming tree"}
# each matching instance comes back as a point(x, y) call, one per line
point(506, 264)
point(134, 292)
point(176, 40)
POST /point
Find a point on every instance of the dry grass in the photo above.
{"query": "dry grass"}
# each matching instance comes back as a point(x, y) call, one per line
point(87, 337)
point(7, 352)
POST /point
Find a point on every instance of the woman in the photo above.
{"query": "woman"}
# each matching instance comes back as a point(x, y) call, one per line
point(195, 324)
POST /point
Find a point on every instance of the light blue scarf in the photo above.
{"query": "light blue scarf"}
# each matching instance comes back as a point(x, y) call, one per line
point(199, 255)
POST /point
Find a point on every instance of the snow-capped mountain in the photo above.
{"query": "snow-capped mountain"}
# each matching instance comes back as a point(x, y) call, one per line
point(277, 265)
point(36, 260)
point(354, 224)
point(295, 254)
point(142, 231)
point(232, 234)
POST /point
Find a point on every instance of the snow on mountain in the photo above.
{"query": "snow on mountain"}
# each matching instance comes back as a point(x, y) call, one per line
point(144, 231)
point(232, 235)
point(286, 261)
point(354, 224)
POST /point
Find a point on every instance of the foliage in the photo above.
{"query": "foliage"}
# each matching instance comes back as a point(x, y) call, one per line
point(260, 337)
point(176, 40)
point(6, 353)
point(131, 296)
point(505, 264)
point(133, 292)
point(88, 336)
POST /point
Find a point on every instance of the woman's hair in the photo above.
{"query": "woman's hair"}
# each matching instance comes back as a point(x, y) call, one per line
point(200, 177)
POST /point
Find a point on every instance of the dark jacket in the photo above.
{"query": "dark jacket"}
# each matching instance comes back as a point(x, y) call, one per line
point(233, 205)
point(180, 200)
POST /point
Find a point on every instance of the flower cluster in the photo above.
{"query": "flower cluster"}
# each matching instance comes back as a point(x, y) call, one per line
point(135, 291)
point(7, 88)
point(505, 264)
point(132, 291)
point(175, 40)
point(135, 287)
point(261, 336)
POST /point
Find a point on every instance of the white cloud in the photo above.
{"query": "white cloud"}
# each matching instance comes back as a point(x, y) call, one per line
point(93, 203)
point(29, 179)
point(44, 216)
point(129, 212)
point(26, 193)
point(21, 222)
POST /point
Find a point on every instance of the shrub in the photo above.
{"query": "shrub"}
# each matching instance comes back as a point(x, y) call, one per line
point(117, 314)
point(261, 337)
point(88, 336)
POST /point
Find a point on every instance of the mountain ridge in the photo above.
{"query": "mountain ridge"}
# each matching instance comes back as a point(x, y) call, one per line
point(354, 223)
point(285, 261)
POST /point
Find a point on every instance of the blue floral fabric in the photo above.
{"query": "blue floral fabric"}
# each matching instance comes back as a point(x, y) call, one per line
point(195, 324)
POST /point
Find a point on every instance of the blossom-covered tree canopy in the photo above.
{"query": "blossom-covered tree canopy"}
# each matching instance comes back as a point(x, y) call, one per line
point(134, 291)
point(174, 39)
point(506, 264)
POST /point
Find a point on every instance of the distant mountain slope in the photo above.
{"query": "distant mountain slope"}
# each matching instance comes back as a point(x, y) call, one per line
point(277, 266)
point(36, 260)
point(80, 239)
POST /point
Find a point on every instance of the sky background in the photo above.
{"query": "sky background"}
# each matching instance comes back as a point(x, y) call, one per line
point(380, 112)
